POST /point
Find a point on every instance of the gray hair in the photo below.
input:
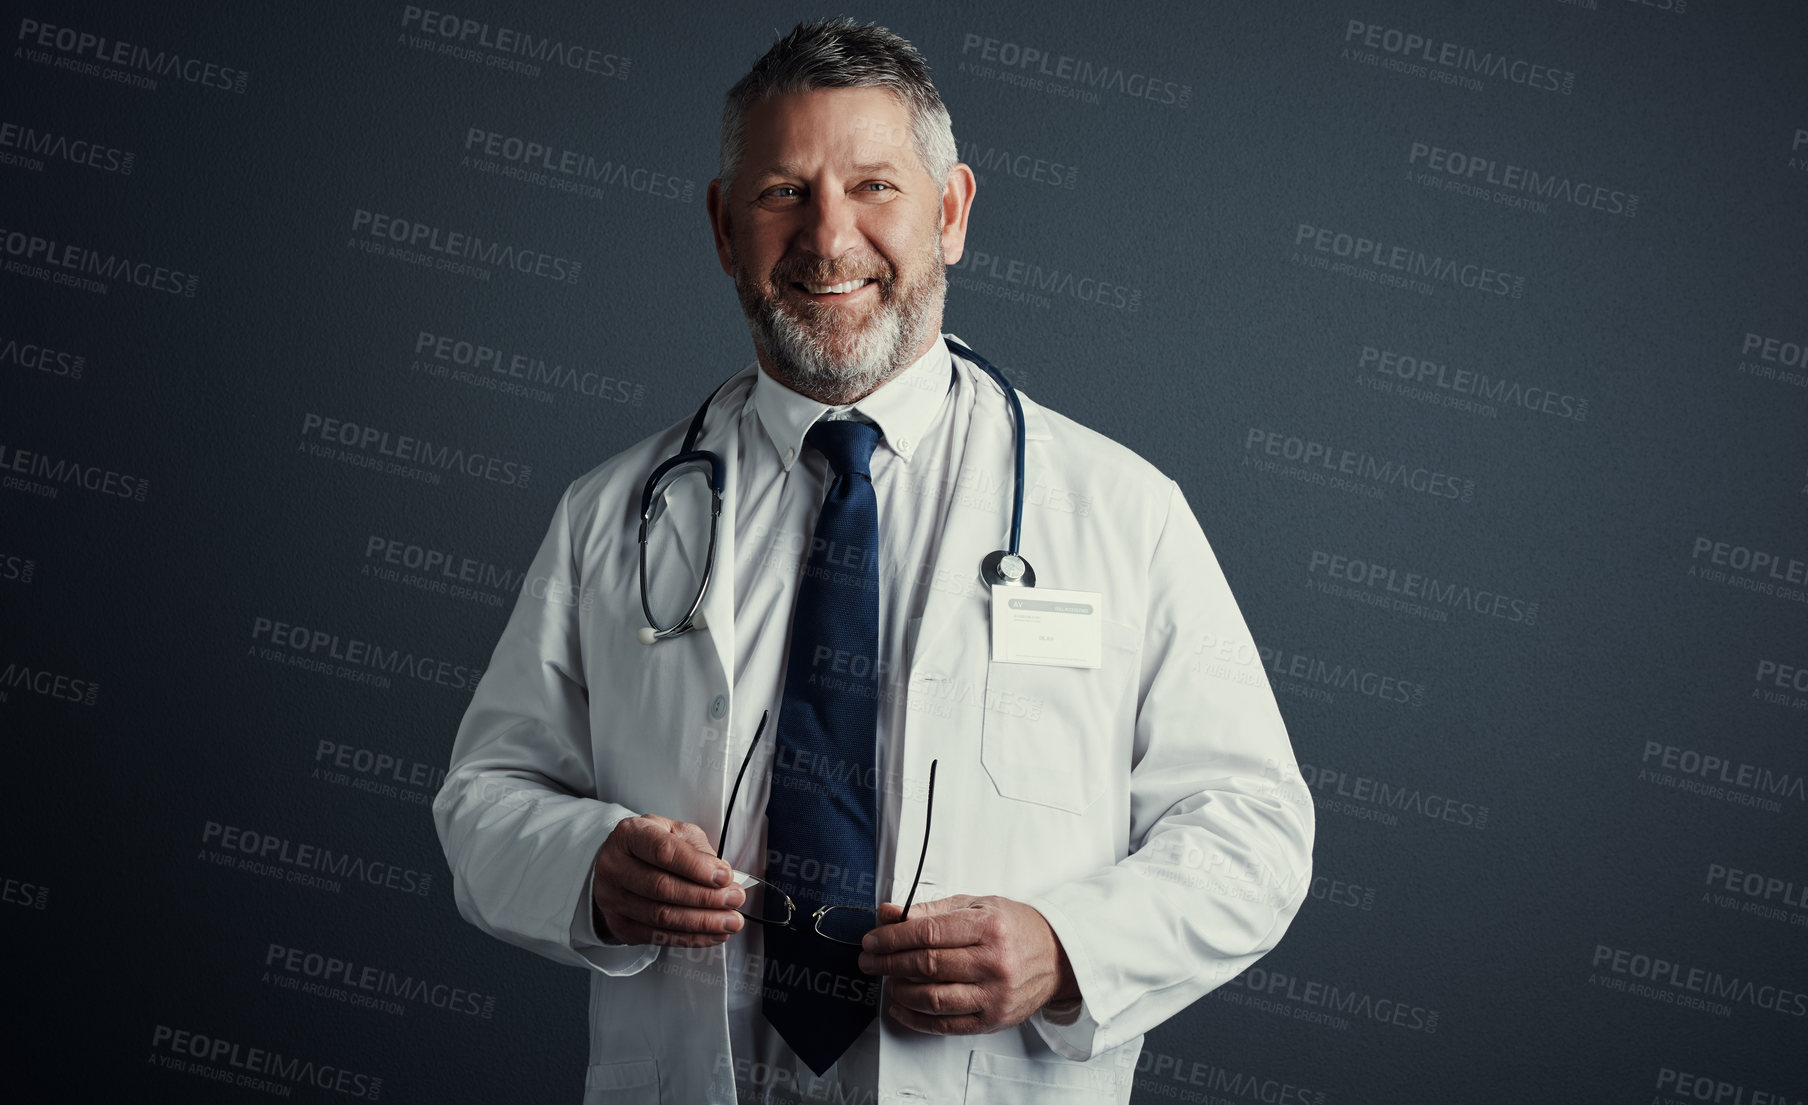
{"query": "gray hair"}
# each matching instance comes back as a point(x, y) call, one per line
point(840, 53)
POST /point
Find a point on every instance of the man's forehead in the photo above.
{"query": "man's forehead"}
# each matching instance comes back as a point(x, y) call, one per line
point(864, 129)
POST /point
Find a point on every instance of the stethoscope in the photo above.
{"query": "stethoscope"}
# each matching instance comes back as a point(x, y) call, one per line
point(1005, 567)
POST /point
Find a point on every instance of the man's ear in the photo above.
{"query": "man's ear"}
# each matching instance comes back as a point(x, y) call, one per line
point(717, 202)
point(957, 204)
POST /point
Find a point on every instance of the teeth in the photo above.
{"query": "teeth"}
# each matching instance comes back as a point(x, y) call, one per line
point(834, 289)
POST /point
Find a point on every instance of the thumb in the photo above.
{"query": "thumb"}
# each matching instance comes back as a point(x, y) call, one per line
point(694, 836)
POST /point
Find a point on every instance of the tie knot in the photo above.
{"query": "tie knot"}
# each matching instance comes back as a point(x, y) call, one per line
point(847, 444)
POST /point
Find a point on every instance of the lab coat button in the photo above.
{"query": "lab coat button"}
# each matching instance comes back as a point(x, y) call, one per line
point(718, 706)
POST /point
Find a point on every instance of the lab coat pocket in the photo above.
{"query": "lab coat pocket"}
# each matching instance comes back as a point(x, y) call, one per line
point(1049, 732)
point(631, 1082)
point(1008, 1080)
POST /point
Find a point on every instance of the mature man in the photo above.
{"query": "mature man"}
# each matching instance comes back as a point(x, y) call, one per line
point(1106, 810)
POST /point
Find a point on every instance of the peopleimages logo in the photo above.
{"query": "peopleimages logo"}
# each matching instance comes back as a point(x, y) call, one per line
point(311, 864)
point(1690, 1087)
point(1061, 75)
point(1464, 388)
point(1517, 185)
point(1715, 776)
point(526, 373)
point(1384, 579)
point(1762, 890)
point(42, 358)
point(88, 269)
point(505, 48)
point(254, 1068)
point(568, 170)
point(1686, 985)
point(41, 681)
point(1028, 280)
point(1357, 678)
point(1420, 55)
point(32, 144)
point(364, 984)
point(1784, 574)
point(1155, 1069)
point(1774, 359)
point(380, 773)
point(1384, 802)
point(24, 894)
point(409, 450)
point(1322, 1002)
point(98, 56)
point(321, 650)
point(1405, 262)
point(1023, 166)
point(45, 476)
point(16, 569)
point(395, 559)
point(458, 246)
point(1317, 462)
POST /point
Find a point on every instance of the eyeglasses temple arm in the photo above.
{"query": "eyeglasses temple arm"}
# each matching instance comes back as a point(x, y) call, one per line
point(928, 811)
point(722, 839)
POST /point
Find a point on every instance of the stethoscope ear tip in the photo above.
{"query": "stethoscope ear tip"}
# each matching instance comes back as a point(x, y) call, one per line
point(646, 636)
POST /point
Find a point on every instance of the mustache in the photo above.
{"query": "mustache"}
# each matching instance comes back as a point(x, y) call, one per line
point(822, 270)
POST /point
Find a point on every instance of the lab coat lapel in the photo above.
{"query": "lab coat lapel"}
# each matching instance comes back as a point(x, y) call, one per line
point(687, 514)
point(954, 613)
point(956, 616)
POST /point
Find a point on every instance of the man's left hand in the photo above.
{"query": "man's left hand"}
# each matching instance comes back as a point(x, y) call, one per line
point(965, 965)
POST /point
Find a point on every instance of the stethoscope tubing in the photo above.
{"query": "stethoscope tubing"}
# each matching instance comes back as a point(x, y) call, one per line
point(690, 454)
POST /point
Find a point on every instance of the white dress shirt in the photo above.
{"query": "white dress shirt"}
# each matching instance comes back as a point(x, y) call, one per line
point(781, 488)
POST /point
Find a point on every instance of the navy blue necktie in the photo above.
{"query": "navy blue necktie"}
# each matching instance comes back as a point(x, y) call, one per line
point(822, 813)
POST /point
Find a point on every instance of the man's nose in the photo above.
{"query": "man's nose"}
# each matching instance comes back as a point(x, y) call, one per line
point(831, 224)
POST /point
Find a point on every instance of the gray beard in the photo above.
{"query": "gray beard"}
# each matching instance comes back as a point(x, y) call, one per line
point(813, 360)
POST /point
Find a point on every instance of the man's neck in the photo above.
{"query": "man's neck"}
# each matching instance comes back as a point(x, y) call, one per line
point(835, 394)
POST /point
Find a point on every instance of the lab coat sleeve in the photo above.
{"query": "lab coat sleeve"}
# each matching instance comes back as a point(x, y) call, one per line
point(1221, 825)
point(518, 815)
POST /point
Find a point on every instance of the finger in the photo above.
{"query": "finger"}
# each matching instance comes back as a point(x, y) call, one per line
point(632, 932)
point(665, 917)
point(928, 964)
point(957, 928)
point(670, 850)
point(940, 905)
point(635, 876)
point(938, 999)
point(937, 1026)
point(888, 915)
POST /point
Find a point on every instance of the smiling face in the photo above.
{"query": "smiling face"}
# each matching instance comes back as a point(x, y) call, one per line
point(837, 239)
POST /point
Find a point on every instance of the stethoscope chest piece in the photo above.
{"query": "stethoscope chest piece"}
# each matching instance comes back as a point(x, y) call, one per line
point(1007, 569)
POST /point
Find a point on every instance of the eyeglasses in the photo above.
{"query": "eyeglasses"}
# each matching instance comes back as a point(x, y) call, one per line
point(767, 904)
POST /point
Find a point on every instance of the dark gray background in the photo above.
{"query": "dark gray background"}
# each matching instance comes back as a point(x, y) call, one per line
point(115, 923)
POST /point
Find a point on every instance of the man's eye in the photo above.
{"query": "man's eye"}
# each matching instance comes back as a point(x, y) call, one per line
point(780, 192)
point(877, 184)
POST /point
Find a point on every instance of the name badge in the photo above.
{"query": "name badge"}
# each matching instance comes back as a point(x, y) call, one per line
point(1039, 625)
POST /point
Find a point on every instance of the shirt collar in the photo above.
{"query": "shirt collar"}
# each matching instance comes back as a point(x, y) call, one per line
point(903, 407)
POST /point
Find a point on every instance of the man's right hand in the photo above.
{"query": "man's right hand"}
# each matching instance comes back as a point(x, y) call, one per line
point(658, 881)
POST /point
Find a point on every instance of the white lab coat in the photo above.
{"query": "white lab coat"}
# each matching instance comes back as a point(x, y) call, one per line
point(1150, 808)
